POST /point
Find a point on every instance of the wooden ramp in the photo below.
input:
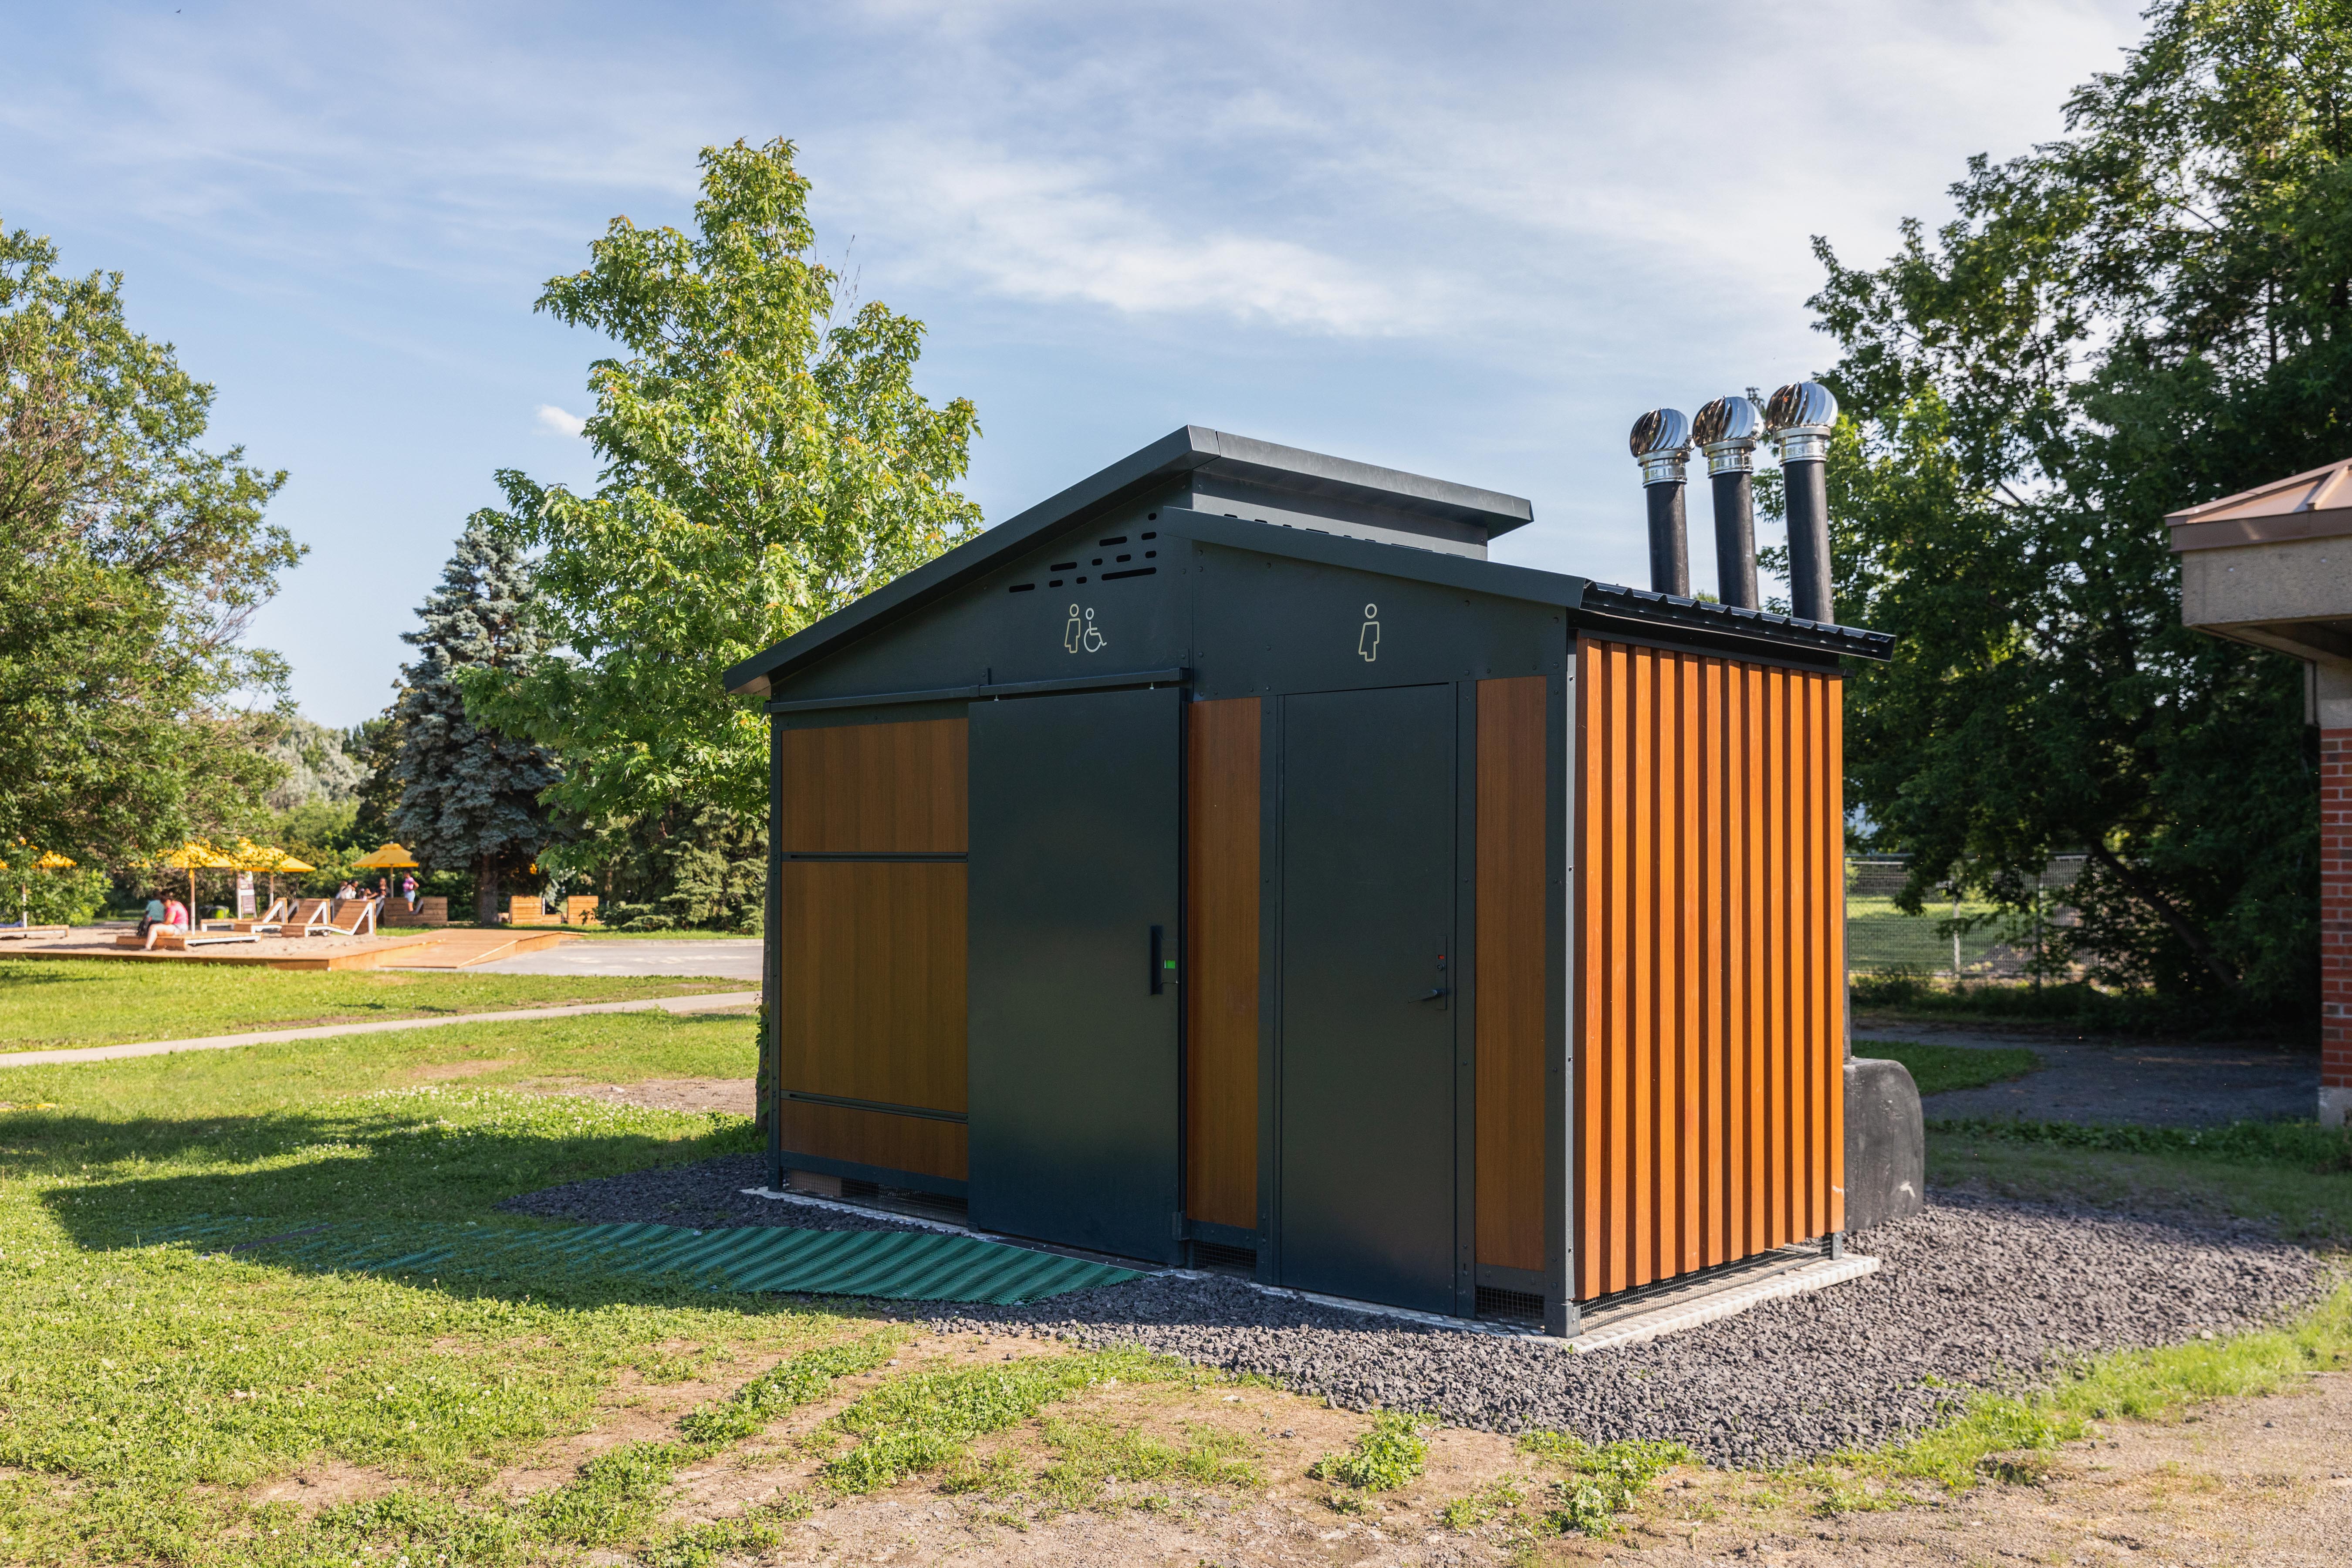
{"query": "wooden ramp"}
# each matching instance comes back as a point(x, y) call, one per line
point(464, 949)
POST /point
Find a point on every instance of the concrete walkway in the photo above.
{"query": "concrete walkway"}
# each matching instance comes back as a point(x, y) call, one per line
point(712, 1001)
point(2103, 1079)
point(718, 957)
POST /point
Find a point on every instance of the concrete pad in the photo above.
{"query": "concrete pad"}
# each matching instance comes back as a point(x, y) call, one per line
point(728, 960)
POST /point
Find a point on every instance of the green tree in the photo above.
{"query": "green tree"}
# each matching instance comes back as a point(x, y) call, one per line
point(2155, 310)
point(133, 560)
point(469, 794)
point(766, 459)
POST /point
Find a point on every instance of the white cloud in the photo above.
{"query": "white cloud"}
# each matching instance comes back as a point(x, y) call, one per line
point(557, 422)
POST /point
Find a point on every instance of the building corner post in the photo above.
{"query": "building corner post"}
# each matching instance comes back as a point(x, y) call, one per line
point(770, 1089)
point(1561, 1316)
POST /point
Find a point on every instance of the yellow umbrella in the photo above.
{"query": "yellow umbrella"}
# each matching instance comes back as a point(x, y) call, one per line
point(388, 858)
point(192, 856)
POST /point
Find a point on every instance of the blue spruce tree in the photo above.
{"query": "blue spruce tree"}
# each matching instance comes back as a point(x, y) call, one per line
point(469, 795)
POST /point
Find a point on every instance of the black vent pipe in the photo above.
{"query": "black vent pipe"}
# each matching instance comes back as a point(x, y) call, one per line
point(1661, 443)
point(1799, 417)
point(1727, 430)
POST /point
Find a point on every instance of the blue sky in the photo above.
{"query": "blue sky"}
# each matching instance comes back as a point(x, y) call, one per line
point(1470, 240)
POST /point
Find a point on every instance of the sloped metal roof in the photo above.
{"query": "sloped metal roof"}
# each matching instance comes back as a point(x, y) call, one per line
point(2313, 505)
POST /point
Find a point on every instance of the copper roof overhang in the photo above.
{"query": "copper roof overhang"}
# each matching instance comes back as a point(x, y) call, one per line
point(2313, 505)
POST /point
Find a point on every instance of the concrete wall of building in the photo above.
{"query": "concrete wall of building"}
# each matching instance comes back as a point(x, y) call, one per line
point(2287, 580)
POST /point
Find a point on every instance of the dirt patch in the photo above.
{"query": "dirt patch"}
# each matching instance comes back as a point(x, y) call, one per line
point(727, 1094)
point(323, 1483)
point(438, 1071)
point(2247, 1480)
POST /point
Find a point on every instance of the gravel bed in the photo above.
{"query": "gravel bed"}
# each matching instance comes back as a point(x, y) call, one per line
point(1979, 1291)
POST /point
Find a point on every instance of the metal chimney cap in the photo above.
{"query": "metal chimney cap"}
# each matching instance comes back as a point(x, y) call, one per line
point(1729, 419)
point(1661, 444)
point(1802, 404)
point(1727, 430)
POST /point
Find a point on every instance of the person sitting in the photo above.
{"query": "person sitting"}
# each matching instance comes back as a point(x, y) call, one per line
point(175, 917)
point(154, 915)
point(346, 892)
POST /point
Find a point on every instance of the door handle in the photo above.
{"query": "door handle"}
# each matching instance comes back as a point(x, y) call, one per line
point(1163, 968)
point(1439, 991)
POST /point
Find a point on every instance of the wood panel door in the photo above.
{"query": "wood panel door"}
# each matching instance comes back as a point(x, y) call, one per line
point(1076, 814)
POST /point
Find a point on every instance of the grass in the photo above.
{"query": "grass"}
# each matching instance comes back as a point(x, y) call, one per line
point(1938, 1069)
point(60, 1003)
point(926, 1422)
point(2290, 1175)
point(150, 1391)
point(1383, 1458)
point(1995, 1436)
point(149, 1388)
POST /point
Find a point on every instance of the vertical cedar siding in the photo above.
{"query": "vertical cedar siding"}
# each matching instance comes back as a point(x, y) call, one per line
point(1221, 961)
point(873, 950)
point(1509, 993)
point(1710, 904)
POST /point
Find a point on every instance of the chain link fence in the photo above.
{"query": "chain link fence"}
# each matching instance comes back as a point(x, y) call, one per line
point(1954, 938)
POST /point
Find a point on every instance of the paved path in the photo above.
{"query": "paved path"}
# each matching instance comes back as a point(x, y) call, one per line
point(710, 1002)
point(2094, 1080)
point(728, 960)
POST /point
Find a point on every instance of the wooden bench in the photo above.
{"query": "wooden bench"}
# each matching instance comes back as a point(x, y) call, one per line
point(527, 910)
point(434, 911)
point(162, 938)
point(29, 933)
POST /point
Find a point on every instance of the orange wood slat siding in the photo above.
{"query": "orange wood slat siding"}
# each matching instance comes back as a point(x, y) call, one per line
point(1509, 1005)
point(1710, 897)
point(873, 952)
point(1221, 948)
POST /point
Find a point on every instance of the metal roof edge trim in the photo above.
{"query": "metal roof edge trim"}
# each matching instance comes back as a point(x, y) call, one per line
point(2189, 514)
point(1725, 620)
point(1408, 561)
point(1282, 467)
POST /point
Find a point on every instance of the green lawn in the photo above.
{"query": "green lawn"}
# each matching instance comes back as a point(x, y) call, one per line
point(1938, 1068)
point(154, 1402)
point(56, 1003)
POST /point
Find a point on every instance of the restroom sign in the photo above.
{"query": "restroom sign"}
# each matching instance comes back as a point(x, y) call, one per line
point(1368, 640)
point(1081, 634)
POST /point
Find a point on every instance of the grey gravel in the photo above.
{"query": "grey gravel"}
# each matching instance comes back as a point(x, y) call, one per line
point(1978, 1291)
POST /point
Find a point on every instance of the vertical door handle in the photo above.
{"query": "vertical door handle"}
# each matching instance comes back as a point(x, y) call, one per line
point(1158, 964)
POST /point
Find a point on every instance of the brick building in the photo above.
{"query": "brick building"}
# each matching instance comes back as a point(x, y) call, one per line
point(2273, 567)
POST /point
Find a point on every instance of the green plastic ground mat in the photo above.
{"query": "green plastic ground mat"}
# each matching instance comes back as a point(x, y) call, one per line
point(896, 1264)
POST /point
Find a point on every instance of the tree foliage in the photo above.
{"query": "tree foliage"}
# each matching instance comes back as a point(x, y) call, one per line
point(2153, 311)
point(469, 794)
point(765, 460)
point(133, 560)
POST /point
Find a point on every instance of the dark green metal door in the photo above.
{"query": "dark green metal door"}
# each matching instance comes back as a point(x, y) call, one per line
point(1075, 869)
point(1365, 1125)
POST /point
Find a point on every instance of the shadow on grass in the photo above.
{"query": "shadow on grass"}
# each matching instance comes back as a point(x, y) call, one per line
point(416, 1160)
